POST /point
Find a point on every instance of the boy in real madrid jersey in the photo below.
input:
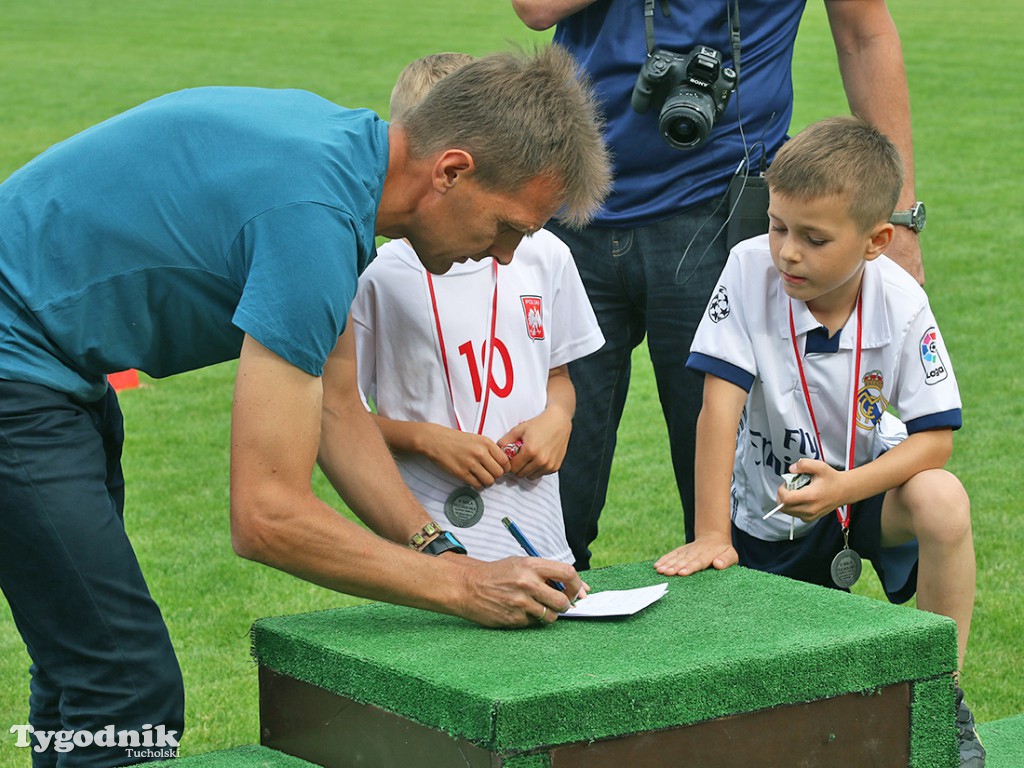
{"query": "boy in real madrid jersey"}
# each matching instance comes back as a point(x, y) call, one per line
point(468, 373)
point(811, 342)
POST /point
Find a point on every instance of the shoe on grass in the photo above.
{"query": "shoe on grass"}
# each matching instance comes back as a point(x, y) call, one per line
point(972, 753)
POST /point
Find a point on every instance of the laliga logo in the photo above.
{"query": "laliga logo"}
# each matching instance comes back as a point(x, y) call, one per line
point(934, 369)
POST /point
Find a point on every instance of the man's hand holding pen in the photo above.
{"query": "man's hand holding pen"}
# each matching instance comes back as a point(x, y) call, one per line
point(517, 591)
point(531, 551)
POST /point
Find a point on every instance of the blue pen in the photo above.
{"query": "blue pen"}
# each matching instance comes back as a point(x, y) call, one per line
point(524, 542)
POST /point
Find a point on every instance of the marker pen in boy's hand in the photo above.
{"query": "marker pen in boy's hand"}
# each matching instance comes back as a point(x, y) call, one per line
point(528, 548)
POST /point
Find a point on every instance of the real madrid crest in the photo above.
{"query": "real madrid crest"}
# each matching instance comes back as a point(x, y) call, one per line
point(871, 403)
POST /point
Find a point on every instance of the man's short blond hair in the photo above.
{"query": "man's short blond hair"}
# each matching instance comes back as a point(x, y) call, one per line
point(420, 76)
point(521, 116)
point(841, 156)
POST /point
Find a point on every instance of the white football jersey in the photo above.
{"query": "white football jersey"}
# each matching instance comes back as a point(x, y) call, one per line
point(544, 320)
point(745, 338)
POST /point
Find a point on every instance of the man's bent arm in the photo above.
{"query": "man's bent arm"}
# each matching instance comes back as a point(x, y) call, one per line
point(276, 519)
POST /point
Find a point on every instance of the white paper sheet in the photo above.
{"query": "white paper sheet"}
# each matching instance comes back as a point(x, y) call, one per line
point(615, 602)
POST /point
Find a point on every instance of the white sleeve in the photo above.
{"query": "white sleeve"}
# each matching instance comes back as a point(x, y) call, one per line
point(724, 343)
point(926, 394)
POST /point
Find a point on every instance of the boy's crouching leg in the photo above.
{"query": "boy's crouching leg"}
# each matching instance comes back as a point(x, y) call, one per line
point(938, 512)
point(933, 507)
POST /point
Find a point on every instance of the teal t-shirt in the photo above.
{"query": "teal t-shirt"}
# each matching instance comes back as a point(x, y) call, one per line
point(155, 239)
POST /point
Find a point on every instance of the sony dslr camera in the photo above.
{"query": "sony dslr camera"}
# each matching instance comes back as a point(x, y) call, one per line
point(693, 90)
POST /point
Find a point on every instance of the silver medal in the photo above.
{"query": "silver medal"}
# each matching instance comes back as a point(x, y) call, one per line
point(464, 507)
point(846, 568)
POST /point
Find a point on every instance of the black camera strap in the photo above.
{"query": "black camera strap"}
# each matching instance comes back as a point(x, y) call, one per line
point(649, 21)
point(732, 11)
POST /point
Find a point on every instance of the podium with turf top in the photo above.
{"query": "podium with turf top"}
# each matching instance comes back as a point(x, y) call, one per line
point(729, 668)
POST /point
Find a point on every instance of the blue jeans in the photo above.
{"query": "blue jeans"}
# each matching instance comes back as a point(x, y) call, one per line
point(101, 654)
point(639, 283)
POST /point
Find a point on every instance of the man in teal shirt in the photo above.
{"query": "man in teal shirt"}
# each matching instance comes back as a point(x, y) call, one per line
point(222, 223)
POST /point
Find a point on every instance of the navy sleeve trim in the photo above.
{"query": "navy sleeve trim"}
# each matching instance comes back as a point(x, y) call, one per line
point(952, 419)
point(723, 370)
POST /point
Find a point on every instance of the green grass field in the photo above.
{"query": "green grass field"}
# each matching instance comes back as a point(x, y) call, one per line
point(68, 64)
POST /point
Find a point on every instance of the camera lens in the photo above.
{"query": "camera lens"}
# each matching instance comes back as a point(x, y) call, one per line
point(686, 118)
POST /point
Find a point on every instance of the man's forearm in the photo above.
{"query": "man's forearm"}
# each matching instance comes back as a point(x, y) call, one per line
point(870, 57)
point(366, 475)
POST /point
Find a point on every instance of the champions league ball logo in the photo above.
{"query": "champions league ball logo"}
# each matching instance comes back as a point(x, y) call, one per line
point(718, 309)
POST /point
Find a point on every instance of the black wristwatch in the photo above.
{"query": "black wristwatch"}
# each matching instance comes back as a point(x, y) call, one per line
point(913, 218)
point(445, 542)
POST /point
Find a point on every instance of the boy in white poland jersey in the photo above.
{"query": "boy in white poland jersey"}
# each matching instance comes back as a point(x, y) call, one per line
point(811, 334)
point(475, 448)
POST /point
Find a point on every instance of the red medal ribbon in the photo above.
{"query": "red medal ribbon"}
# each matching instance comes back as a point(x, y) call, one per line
point(843, 513)
point(490, 351)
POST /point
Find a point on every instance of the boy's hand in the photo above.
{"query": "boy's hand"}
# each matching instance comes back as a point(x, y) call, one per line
point(544, 440)
point(708, 550)
point(820, 497)
point(476, 460)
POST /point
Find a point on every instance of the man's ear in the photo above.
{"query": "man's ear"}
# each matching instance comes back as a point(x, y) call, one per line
point(878, 240)
point(452, 165)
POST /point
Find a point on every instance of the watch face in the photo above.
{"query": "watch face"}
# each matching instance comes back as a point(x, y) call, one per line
point(913, 218)
point(918, 217)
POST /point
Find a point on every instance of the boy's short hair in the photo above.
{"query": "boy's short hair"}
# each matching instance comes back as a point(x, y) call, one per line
point(521, 116)
point(420, 76)
point(841, 156)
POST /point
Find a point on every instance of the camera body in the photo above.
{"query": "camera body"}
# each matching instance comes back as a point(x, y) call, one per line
point(692, 91)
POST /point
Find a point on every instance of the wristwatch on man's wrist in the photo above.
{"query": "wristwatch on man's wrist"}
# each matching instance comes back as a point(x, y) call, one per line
point(913, 218)
point(426, 534)
point(444, 542)
point(433, 540)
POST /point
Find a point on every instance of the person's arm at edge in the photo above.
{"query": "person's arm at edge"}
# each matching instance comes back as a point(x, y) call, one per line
point(544, 14)
point(276, 519)
point(870, 57)
point(717, 423)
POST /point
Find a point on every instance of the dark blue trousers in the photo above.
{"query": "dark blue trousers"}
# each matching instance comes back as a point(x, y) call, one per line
point(100, 651)
point(654, 281)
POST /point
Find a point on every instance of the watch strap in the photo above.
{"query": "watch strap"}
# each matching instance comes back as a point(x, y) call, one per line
point(444, 542)
point(425, 535)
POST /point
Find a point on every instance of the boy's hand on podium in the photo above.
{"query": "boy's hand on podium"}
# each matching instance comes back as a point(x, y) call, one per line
point(712, 549)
